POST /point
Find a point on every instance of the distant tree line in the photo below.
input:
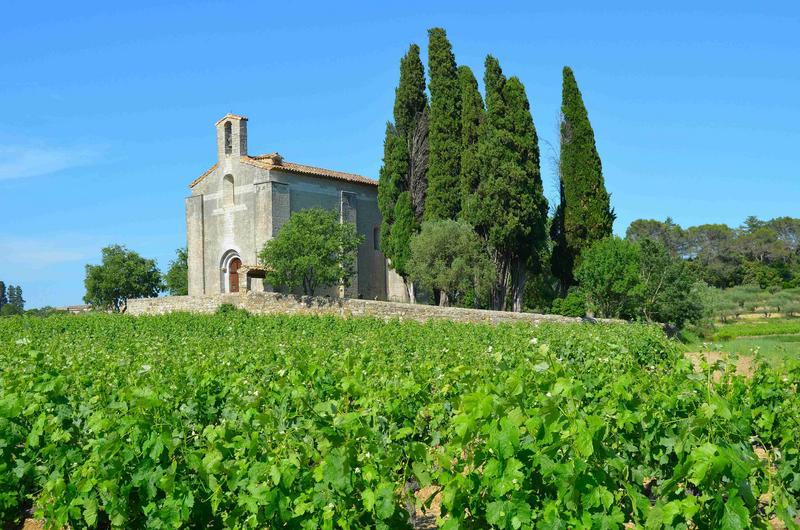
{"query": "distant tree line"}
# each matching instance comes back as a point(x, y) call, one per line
point(762, 253)
point(11, 300)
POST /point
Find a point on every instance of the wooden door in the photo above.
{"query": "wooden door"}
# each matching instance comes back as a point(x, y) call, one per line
point(233, 275)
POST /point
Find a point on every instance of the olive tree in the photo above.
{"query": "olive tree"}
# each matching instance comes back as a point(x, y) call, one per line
point(449, 256)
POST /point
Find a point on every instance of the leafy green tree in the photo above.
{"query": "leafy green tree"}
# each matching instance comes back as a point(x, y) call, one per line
point(177, 277)
point(472, 115)
point(761, 274)
point(122, 274)
point(3, 296)
point(585, 214)
point(508, 208)
point(449, 256)
point(712, 252)
point(444, 129)
point(787, 230)
point(669, 291)
point(312, 250)
point(667, 233)
point(609, 277)
point(405, 161)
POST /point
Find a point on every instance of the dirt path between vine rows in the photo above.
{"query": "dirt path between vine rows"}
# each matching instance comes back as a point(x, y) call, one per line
point(744, 364)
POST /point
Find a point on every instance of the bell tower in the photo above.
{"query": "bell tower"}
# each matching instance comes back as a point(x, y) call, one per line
point(231, 137)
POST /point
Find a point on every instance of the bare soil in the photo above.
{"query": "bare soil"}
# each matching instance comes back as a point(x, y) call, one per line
point(744, 364)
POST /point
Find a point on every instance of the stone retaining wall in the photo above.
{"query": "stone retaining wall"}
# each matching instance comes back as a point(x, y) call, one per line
point(269, 303)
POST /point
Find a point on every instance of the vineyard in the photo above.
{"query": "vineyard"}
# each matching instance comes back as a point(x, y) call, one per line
point(238, 421)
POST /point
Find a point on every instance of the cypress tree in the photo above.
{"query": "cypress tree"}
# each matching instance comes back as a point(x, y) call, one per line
point(3, 297)
point(585, 214)
point(404, 162)
point(13, 300)
point(409, 96)
point(528, 222)
point(391, 182)
point(472, 115)
point(444, 130)
point(508, 207)
point(19, 302)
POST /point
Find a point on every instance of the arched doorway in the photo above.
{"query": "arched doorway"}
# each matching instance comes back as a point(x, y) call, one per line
point(233, 275)
point(229, 265)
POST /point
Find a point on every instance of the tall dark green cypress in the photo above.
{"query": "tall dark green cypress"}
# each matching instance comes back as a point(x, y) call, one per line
point(400, 147)
point(585, 214)
point(508, 207)
point(13, 301)
point(472, 115)
point(19, 302)
point(391, 183)
point(444, 132)
point(409, 96)
point(3, 297)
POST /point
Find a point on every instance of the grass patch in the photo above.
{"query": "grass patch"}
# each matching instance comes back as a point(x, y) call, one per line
point(776, 350)
point(785, 326)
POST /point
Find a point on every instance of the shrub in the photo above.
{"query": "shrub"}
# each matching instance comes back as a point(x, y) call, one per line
point(572, 305)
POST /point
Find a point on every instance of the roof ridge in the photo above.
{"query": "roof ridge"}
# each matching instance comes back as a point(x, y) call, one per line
point(265, 161)
point(308, 169)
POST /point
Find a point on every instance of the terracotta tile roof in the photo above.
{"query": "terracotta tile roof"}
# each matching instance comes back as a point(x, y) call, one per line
point(275, 161)
point(196, 181)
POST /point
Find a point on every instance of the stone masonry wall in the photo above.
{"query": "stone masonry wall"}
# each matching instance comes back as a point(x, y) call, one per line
point(270, 303)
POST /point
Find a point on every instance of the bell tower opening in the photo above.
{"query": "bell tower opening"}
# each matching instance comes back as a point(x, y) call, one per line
point(231, 136)
point(228, 139)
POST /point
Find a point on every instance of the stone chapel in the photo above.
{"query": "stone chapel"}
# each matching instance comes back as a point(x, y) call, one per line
point(242, 201)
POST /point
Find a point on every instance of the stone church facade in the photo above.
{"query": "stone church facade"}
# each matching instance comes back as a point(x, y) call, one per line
point(242, 201)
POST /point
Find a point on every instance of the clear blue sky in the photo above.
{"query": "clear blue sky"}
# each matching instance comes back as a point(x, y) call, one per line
point(108, 107)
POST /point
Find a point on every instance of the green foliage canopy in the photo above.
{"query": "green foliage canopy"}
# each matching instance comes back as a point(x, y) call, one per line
point(608, 276)
point(444, 129)
point(472, 116)
point(177, 276)
point(640, 280)
point(11, 300)
point(122, 274)
point(449, 256)
point(508, 208)
point(311, 250)
point(585, 214)
point(404, 161)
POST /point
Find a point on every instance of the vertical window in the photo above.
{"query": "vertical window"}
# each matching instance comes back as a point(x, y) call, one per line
point(376, 242)
point(228, 197)
point(228, 139)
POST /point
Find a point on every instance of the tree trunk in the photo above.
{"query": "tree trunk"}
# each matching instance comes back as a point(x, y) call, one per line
point(501, 284)
point(444, 300)
point(519, 276)
point(412, 297)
